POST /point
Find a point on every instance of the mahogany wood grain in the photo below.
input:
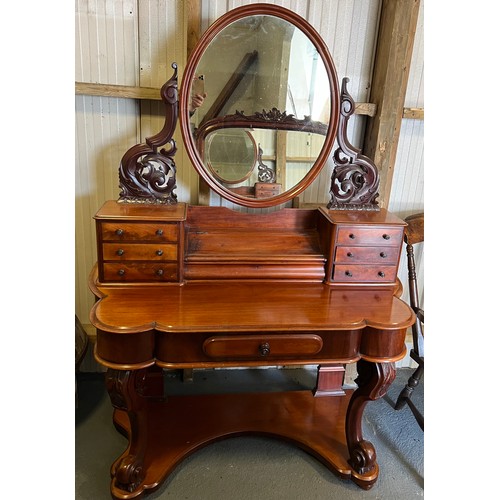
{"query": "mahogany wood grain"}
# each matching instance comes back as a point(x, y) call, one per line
point(138, 251)
point(184, 424)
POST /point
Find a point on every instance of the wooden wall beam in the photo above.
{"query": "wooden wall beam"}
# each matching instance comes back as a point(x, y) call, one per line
point(398, 22)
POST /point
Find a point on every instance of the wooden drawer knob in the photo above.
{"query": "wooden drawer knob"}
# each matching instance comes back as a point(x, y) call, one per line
point(348, 273)
point(265, 349)
point(383, 255)
point(119, 232)
point(352, 236)
point(121, 272)
point(381, 274)
point(386, 236)
point(120, 251)
point(159, 232)
point(159, 252)
point(159, 272)
point(349, 254)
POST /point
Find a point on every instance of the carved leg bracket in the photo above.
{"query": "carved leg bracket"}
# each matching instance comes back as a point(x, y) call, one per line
point(373, 381)
point(125, 389)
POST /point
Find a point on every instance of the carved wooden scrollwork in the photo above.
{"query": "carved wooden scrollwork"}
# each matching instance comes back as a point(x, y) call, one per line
point(124, 388)
point(373, 381)
point(272, 119)
point(266, 174)
point(147, 174)
point(355, 178)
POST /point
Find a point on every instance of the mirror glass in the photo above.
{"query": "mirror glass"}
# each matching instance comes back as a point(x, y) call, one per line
point(260, 94)
point(231, 154)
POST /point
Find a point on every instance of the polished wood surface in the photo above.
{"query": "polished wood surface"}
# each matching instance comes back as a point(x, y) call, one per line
point(243, 290)
point(163, 431)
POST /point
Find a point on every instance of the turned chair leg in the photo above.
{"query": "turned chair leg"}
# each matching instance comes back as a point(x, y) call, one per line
point(405, 395)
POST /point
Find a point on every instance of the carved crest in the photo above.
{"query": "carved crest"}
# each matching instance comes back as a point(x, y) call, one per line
point(355, 178)
point(148, 175)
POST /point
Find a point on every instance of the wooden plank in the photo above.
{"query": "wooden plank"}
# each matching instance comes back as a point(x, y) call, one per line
point(193, 8)
point(124, 91)
point(152, 93)
point(413, 113)
point(231, 85)
point(398, 22)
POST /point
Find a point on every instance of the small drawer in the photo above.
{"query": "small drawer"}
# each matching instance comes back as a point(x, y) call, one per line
point(139, 251)
point(369, 236)
point(129, 231)
point(364, 274)
point(262, 346)
point(139, 271)
point(368, 255)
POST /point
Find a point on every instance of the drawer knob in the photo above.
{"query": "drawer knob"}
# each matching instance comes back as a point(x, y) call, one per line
point(120, 251)
point(349, 254)
point(381, 274)
point(383, 255)
point(348, 273)
point(119, 232)
point(159, 232)
point(386, 236)
point(159, 252)
point(121, 272)
point(265, 349)
point(159, 272)
point(352, 236)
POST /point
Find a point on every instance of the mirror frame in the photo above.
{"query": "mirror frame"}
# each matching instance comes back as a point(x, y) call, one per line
point(185, 91)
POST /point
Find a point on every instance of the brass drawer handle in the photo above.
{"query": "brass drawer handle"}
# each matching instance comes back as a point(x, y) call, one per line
point(386, 236)
point(265, 349)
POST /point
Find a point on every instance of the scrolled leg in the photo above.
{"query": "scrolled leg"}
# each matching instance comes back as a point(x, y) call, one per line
point(125, 388)
point(373, 381)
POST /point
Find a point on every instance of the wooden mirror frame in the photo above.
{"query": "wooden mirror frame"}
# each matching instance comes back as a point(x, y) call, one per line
point(185, 91)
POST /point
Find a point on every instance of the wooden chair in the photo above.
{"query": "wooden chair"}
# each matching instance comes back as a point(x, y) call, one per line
point(414, 233)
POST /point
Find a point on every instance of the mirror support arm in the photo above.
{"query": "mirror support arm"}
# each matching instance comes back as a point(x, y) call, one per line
point(147, 174)
point(355, 178)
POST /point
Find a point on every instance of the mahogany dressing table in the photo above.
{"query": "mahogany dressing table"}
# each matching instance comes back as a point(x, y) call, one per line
point(180, 286)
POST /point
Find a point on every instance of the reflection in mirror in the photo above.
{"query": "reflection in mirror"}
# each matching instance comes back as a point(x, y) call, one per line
point(284, 157)
point(271, 69)
point(263, 69)
point(231, 154)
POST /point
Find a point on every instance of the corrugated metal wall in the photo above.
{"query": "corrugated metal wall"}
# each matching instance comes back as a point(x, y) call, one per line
point(127, 42)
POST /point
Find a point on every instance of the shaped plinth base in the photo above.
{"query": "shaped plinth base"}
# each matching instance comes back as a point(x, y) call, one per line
point(183, 424)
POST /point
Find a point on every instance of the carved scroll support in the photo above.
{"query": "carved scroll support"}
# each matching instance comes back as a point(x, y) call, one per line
point(355, 178)
point(125, 388)
point(148, 174)
point(373, 381)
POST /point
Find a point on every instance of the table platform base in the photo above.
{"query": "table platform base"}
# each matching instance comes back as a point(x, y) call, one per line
point(175, 428)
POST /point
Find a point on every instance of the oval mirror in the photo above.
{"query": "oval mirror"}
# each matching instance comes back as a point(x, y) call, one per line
point(230, 154)
point(263, 70)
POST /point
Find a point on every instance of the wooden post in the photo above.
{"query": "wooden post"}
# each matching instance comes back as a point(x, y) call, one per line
point(398, 21)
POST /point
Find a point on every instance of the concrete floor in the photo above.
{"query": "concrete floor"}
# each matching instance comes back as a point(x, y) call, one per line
point(254, 468)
